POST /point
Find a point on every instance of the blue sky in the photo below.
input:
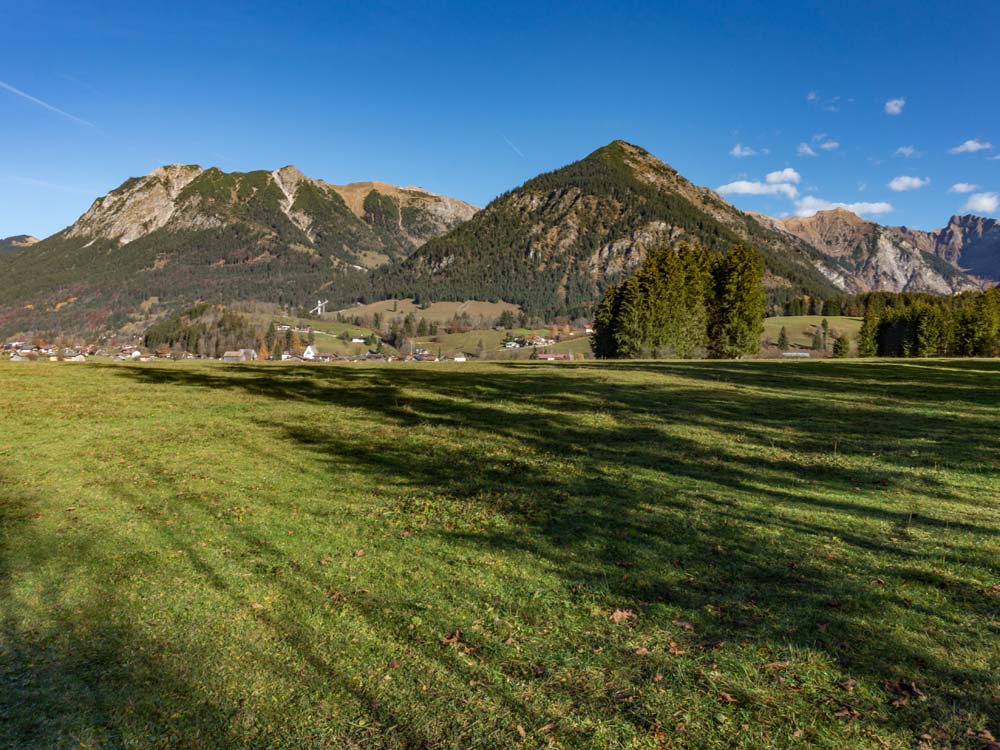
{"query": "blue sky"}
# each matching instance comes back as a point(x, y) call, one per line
point(471, 99)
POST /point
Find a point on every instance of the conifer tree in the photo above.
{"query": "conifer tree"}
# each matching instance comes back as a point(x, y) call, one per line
point(692, 339)
point(841, 346)
point(602, 341)
point(630, 322)
point(736, 318)
point(868, 338)
point(783, 339)
point(817, 340)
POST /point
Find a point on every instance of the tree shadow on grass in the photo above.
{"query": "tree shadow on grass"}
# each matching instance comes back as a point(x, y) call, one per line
point(701, 528)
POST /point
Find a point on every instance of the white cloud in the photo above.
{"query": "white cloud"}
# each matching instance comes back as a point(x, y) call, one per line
point(982, 203)
point(809, 205)
point(827, 105)
point(895, 106)
point(907, 151)
point(746, 187)
point(784, 175)
point(821, 141)
point(740, 151)
point(963, 187)
point(899, 184)
point(971, 146)
point(994, 158)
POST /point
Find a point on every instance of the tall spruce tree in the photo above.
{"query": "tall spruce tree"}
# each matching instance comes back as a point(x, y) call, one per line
point(630, 322)
point(692, 333)
point(736, 318)
point(868, 337)
point(602, 341)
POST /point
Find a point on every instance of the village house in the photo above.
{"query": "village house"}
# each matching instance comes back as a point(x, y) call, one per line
point(234, 356)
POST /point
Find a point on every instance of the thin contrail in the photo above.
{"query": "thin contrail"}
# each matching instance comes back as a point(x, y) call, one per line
point(52, 185)
point(516, 149)
point(40, 103)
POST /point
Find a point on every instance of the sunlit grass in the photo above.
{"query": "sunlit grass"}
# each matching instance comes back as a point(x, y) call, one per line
point(202, 555)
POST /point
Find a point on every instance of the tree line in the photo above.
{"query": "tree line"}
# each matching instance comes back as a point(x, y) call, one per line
point(684, 303)
point(966, 325)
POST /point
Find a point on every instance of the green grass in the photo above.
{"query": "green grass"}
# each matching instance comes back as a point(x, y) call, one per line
point(436, 312)
point(800, 329)
point(265, 556)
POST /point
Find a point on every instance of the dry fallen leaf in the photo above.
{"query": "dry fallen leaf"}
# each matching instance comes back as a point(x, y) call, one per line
point(547, 728)
point(778, 664)
point(797, 733)
point(658, 677)
point(520, 731)
point(256, 605)
point(393, 664)
point(622, 615)
point(683, 624)
point(359, 553)
point(726, 698)
point(848, 685)
point(675, 650)
point(903, 690)
point(642, 651)
point(326, 561)
point(453, 637)
point(847, 712)
point(877, 582)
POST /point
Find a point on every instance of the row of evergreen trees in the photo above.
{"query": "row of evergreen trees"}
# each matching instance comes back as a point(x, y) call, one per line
point(684, 303)
point(967, 325)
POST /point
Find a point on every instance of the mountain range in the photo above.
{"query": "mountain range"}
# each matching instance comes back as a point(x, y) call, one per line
point(862, 256)
point(182, 234)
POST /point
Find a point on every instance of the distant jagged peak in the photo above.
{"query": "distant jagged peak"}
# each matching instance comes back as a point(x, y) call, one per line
point(16, 242)
point(176, 171)
point(451, 210)
point(839, 214)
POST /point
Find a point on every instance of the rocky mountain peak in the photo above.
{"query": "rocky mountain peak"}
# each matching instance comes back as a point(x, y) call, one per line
point(138, 206)
point(16, 242)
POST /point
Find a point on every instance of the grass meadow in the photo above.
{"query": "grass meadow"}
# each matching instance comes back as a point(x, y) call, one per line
point(757, 554)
